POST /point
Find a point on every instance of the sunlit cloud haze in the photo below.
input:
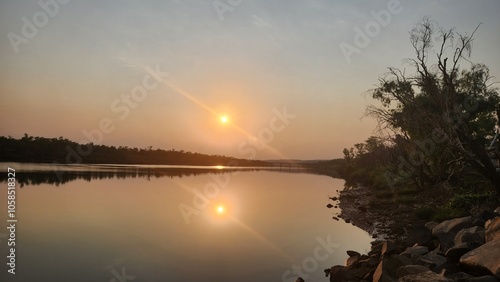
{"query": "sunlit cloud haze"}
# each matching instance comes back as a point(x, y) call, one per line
point(246, 62)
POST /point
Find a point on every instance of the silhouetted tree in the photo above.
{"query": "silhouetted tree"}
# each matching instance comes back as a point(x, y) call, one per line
point(442, 115)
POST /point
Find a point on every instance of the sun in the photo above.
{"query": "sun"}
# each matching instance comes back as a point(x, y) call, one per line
point(224, 119)
point(220, 209)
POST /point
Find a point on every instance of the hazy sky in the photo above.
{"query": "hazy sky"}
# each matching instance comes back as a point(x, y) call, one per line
point(275, 68)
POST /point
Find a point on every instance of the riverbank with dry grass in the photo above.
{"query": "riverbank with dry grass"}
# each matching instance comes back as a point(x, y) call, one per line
point(387, 214)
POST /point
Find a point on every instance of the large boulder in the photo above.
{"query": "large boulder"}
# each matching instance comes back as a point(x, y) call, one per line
point(474, 235)
point(493, 229)
point(484, 260)
point(427, 276)
point(447, 230)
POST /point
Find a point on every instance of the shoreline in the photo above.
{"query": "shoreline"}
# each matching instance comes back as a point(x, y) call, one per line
point(405, 248)
point(379, 222)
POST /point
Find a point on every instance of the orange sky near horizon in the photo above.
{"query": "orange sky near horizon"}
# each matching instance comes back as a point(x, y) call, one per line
point(142, 74)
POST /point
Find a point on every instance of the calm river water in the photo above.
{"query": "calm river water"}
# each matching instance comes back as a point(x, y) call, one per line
point(152, 223)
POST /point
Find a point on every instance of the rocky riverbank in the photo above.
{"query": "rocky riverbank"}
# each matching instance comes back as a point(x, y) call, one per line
point(460, 249)
point(409, 249)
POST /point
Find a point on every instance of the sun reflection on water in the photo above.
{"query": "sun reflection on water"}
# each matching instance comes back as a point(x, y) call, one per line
point(223, 214)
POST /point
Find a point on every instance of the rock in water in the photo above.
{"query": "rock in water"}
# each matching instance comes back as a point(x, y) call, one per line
point(353, 253)
point(299, 280)
point(483, 260)
point(340, 273)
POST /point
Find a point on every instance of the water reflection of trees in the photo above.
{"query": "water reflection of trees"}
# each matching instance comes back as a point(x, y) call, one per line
point(58, 177)
point(36, 174)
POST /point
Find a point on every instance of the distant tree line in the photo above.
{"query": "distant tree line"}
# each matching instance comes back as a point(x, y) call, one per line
point(64, 151)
